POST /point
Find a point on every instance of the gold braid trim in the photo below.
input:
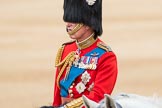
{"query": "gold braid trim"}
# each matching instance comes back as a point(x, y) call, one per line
point(71, 59)
point(59, 54)
point(68, 59)
point(76, 103)
point(63, 61)
point(58, 57)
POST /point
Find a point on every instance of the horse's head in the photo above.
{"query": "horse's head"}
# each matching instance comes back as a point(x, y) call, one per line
point(124, 100)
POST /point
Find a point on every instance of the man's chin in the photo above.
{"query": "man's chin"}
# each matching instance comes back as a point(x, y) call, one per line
point(72, 36)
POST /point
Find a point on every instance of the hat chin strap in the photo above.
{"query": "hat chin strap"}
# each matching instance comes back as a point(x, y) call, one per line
point(75, 29)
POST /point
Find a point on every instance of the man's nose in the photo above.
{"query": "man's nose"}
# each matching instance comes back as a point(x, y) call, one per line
point(68, 24)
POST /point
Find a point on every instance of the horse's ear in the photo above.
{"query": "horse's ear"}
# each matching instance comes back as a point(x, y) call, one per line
point(109, 101)
point(89, 103)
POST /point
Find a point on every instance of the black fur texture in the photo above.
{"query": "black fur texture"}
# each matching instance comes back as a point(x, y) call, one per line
point(78, 11)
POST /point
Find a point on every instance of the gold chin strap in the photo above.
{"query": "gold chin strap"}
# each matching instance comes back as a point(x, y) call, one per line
point(75, 29)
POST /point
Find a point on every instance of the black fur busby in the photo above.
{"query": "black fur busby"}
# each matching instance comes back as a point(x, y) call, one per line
point(82, 11)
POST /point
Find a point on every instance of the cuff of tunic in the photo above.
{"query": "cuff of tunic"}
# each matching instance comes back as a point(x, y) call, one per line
point(76, 103)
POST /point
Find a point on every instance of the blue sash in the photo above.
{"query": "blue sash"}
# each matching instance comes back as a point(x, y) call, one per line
point(75, 72)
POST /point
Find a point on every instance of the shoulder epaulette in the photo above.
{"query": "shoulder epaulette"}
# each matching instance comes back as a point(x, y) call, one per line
point(104, 46)
point(60, 51)
point(59, 55)
point(70, 42)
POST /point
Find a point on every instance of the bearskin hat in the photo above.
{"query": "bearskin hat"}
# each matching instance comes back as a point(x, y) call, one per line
point(88, 12)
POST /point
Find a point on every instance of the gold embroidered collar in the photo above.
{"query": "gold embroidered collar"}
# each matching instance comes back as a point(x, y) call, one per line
point(87, 42)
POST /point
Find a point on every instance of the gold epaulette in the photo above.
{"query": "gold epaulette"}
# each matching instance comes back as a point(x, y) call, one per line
point(76, 103)
point(66, 43)
point(59, 53)
point(104, 46)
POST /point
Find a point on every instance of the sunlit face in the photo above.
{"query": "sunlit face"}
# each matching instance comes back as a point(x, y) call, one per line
point(79, 35)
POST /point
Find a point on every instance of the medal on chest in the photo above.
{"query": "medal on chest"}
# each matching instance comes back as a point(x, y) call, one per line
point(81, 86)
point(86, 62)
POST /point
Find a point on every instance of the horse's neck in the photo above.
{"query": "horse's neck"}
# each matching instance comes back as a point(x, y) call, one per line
point(137, 101)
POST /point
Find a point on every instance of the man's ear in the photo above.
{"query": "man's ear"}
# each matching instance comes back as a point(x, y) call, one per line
point(109, 101)
point(89, 103)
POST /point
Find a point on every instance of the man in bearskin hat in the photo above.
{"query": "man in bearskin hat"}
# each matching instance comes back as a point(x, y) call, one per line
point(85, 66)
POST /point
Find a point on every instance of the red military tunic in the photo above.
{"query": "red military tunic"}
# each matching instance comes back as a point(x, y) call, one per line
point(101, 80)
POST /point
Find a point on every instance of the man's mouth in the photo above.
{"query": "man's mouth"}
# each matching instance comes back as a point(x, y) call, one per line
point(68, 29)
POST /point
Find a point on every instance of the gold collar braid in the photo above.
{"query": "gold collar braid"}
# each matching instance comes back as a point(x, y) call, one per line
point(75, 29)
point(87, 42)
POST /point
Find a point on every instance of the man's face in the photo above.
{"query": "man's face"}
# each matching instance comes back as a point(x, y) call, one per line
point(70, 26)
point(79, 34)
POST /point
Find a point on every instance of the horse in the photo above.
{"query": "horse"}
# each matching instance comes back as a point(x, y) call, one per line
point(124, 100)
